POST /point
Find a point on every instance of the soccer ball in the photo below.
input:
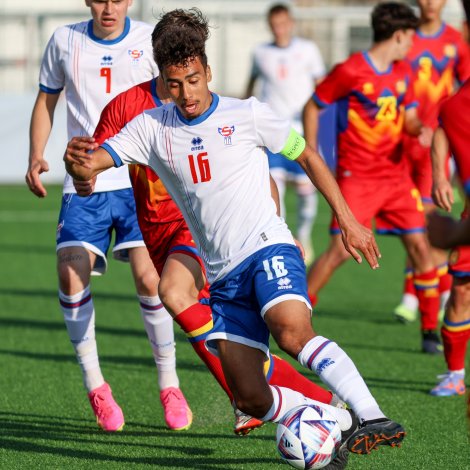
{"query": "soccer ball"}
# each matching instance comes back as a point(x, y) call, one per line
point(308, 436)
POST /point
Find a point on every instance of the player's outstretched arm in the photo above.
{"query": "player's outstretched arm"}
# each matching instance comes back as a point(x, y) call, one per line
point(39, 131)
point(442, 192)
point(310, 116)
point(83, 188)
point(356, 237)
point(82, 162)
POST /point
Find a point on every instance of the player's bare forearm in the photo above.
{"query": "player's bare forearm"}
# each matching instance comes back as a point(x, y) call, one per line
point(355, 236)
point(442, 192)
point(40, 129)
point(310, 122)
point(445, 232)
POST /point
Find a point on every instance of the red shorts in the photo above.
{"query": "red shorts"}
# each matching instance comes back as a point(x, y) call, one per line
point(459, 261)
point(164, 239)
point(418, 159)
point(395, 205)
point(459, 258)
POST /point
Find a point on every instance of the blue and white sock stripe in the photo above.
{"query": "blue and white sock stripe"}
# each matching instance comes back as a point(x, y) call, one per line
point(316, 353)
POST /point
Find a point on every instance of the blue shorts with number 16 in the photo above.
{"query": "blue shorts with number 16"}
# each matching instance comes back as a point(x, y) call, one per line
point(240, 299)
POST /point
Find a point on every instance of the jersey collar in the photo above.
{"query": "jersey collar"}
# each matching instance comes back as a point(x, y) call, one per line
point(109, 42)
point(367, 58)
point(431, 36)
point(203, 116)
point(153, 87)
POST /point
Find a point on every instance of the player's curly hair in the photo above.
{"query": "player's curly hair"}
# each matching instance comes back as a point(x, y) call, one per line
point(179, 37)
point(389, 17)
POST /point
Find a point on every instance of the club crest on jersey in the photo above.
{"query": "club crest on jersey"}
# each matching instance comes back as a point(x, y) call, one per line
point(106, 60)
point(226, 132)
point(368, 88)
point(450, 50)
point(135, 55)
point(196, 143)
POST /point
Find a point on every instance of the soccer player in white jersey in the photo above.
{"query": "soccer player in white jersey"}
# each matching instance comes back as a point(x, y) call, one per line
point(94, 61)
point(287, 69)
point(256, 271)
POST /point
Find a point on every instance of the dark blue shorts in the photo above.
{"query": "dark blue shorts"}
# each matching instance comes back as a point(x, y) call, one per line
point(90, 222)
point(239, 300)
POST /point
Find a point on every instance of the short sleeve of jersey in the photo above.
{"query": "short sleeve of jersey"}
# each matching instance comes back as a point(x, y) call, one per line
point(271, 131)
point(133, 144)
point(111, 120)
point(336, 85)
point(463, 62)
point(317, 65)
point(51, 75)
point(255, 71)
point(409, 99)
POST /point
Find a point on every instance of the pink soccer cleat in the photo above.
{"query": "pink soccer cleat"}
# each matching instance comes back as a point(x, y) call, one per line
point(178, 415)
point(108, 414)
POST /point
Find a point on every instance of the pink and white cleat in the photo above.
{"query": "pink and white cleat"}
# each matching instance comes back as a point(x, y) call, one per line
point(178, 415)
point(108, 414)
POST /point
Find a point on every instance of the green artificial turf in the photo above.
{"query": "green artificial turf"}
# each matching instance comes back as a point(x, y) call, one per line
point(46, 421)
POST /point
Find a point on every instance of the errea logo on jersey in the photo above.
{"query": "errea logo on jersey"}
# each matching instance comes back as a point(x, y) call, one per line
point(106, 60)
point(226, 132)
point(196, 143)
point(135, 55)
point(284, 283)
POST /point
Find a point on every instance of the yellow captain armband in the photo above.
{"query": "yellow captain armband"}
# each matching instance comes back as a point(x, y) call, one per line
point(295, 145)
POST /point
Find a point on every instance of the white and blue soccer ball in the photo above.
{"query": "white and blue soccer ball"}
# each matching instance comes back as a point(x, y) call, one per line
point(308, 436)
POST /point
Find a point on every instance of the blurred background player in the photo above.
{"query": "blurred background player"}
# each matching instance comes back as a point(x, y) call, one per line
point(247, 264)
point(288, 69)
point(439, 58)
point(174, 253)
point(453, 134)
point(94, 61)
point(376, 106)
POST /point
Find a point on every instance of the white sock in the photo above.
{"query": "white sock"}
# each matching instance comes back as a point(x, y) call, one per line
point(284, 399)
point(336, 369)
point(79, 316)
point(307, 200)
point(460, 372)
point(410, 301)
point(444, 297)
point(159, 327)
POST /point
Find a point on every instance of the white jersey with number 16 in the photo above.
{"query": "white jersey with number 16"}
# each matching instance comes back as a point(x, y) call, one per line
point(215, 168)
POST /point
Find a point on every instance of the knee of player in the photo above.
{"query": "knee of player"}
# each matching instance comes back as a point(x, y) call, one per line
point(147, 282)
point(420, 251)
point(460, 298)
point(256, 405)
point(292, 342)
point(73, 276)
point(175, 298)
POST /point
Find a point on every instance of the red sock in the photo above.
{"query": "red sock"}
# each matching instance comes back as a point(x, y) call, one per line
point(284, 375)
point(426, 285)
point(196, 322)
point(445, 279)
point(409, 286)
point(455, 345)
point(313, 299)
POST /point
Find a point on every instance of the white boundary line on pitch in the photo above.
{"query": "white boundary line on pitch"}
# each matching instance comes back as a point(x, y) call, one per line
point(28, 216)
